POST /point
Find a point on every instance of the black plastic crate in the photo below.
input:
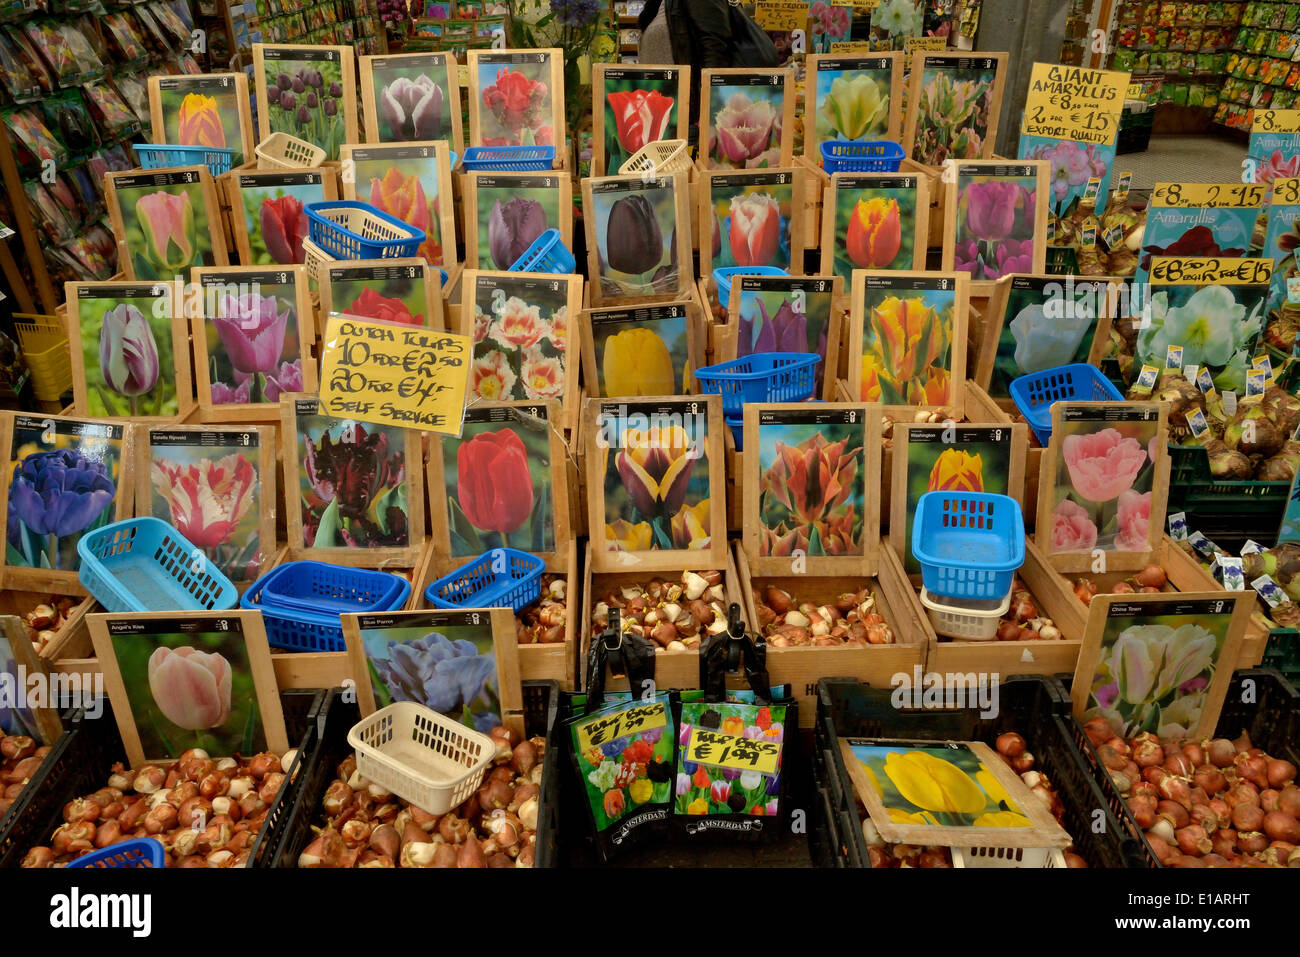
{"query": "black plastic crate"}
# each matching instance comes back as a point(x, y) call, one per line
point(1032, 705)
point(83, 759)
point(1227, 512)
point(336, 718)
point(1282, 653)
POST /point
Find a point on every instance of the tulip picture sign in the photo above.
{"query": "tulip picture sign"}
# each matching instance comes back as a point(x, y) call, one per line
point(403, 290)
point(742, 122)
point(168, 219)
point(516, 98)
point(638, 238)
point(195, 680)
point(953, 104)
point(411, 97)
point(307, 91)
point(207, 110)
point(1160, 663)
point(786, 314)
point(505, 212)
point(411, 181)
point(267, 216)
point(875, 221)
point(753, 218)
point(644, 350)
point(636, 105)
point(852, 98)
point(996, 219)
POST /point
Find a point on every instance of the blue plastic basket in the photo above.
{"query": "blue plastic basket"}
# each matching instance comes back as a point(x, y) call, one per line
point(547, 254)
point(1035, 393)
point(969, 544)
point(498, 578)
point(857, 156)
point(508, 158)
point(760, 377)
point(444, 277)
point(161, 155)
point(737, 427)
point(354, 230)
point(722, 276)
point(301, 602)
point(137, 852)
point(143, 564)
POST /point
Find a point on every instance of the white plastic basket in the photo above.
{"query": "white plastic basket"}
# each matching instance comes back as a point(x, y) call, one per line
point(282, 151)
point(316, 260)
point(970, 619)
point(420, 755)
point(661, 158)
point(1029, 857)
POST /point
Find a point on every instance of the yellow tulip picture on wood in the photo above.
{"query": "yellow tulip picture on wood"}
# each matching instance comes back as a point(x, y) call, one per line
point(642, 357)
point(907, 346)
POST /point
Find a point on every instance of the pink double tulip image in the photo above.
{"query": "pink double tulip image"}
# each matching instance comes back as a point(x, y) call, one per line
point(1102, 502)
point(190, 687)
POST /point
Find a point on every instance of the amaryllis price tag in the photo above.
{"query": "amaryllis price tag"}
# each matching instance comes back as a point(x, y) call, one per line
point(1207, 195)
point(1120, 192)
point(1229, 398)
point(1269, 590)
point(1092, 189)
point(1113, 236)
point(1147, 378)
point(1174, 357)
point(1205, 548)
point(1178, 526)
point(1088, 238)
point(1189, 373)
point(1262, 361)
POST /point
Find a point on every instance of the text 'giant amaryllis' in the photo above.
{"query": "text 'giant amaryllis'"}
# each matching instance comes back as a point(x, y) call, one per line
point(413, 108)
point(60, 492)
point(284, 227)
point(755, 229)
point(655, 466)
point(207, 501)
point(512, 227)
point(633, 240)
point(956, 470)
point(252, 330)
point(640, 117)
point(190, 687)
point(875, 233)
point(128, 354)
point(743, 127)
point(371, 305)
point(637, 362)
point(808, 490)
point(168, 225)
point(199, 123)
point(494, 485)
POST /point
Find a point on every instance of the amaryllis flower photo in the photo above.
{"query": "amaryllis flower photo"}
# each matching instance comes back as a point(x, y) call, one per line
point(1226, 233)
point(812, 494)
point(995, 226)
point(906, 347)
point(746, 126)
point(412, 108)
point(255, 336)
point(352, 486)
point(1217, 326)
point(650, 476)
point(1073, 164)
point(452, 670)
point(516, 105)
point(893, 21)
point(520, 342)
point(55, 495)
point(498, 484)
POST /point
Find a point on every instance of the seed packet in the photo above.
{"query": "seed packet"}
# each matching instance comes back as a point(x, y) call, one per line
point(171, 23)
point(84, 183)
point(123, 37)
point(48, 40)
point(114, 117)
point(88, 27)
point(36, 66)
point(50, 218)
point(66, 115)
point(17, 80)
point(134, 90)
point(69, 199)
point(35, 143)
point(154, 37)
point(190, 65)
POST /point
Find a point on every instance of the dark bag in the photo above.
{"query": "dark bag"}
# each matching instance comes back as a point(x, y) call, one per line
point(753, 47)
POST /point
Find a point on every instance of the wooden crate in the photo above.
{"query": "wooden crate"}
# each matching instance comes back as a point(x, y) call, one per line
point(706, 291)
point(816, 181)
point(70, 635)
point(735, 484)
point(938, 202)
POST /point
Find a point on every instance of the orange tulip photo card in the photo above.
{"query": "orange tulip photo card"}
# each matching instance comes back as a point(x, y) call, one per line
point(211, 109)
point(216, 486)
point(504, 484)
point(752, 216)
point(642, 350)
point(875, 221)
point(786, 314)
point(505, 212)
point(636, 104)
point(193, 679)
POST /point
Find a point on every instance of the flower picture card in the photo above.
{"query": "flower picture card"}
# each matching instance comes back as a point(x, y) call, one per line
point(746, 118)
point(875, 221)
point(894, 22)
point(69, 476)
point(194, 679)
point(307, 91)
point(907, 342)
point(636, 105)
point(753, 219)
point(786, 314)
point(953, 103)
point(729, 766)
point(208, 110)
point(516, 98)
point(252, 334)
point(1160, 663)
point(1103, 485)
point(1274, 150)
point(642, 350)
point(411, 181)
point(1280, 243)
point(852, 98)
point(996, 219)
point(268, 216)
point(505, 481)
point(638, 238)
point(411, 97)
point(169, 221)
point(1203, 220)
point(506, 212)
point(404, 290)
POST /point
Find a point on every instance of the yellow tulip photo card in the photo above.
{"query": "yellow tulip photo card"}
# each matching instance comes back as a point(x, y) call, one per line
point(852, 98)
point(751, 218)
point(211, 109)
point(645, 350)
point(875, 221)
point(786, 314)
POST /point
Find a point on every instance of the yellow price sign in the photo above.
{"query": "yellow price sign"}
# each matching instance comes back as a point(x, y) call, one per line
point(1276, 121)
point(1207, 195)
point(778, 15)
point(717, 750)
point(1286, 192)
point(853, 46)
point(410, 377)
point(1073, 103)
point(605, 728)
point(1209, 271)
point(1134, 91)
point(922, 45)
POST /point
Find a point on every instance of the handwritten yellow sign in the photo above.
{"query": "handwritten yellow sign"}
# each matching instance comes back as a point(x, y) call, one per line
point(922, 45)
point(1134, 91)
point(406, 376)
point(1286, 192)
point(1072, 103)
point(865, 4)
point(728, 751)
point(853, 46)
point(610, 727)
point(1276, 121)
point(1209, 271)
point(1207, 195)
point(778, 15)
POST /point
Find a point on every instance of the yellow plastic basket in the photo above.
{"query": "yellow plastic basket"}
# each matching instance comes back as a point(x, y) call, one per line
point(661, 158)
point(282, 151)
point(44, 345)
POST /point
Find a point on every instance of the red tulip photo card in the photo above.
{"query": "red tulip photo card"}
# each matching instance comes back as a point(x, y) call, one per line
point(410, 97)
point(746, 118)
point(402, 290)
point(751, 218)
point(875, 221)
point(635, 104)
point(505, 212)
point(207, 110)
point(267, 218)
point(194, 679)
point(852, 98)
point(516, 98)
point(786, 314)
point(644, 350)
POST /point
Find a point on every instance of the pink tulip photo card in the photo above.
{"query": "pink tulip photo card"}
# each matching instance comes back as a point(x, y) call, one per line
point(267, 215)
point(996, 220)
point(308, 91)
point(638, 238)
point(753, 219)
point(516, 98)
point(208, 110)
point(746, 118)
point(401, 290)
point(411, 97)
point(1104, 486)
point(636, 104)
point(252, 332)
point(505, 212)
point(216, 487)
point(168, 220)
point(194, 679)
point(505, 485)
point(645, 350)
point(852, 98)
point(786, 314)
point(875, 221)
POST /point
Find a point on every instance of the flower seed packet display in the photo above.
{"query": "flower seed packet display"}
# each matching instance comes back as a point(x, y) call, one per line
point(786, 314)
point(504, 479)
point(624, 755)
point(655, 483)
point(852, 98)
point(516, 98)
point(1201, 220)
point(953, 103)
point(462, 664)
point(636, 105)
point(947, 794)
point(268, 215)
point(411, 181)
point(951, 458)
point(354, 489)
point(638, 238)
point(875, 221)
point(401, 290)
point(1041, 322)
point(210, 110)
point(807, 472)
point(752, 218)
point(69, 476)
point(168, 219)
point(309, 92)
point(182, 680)
point(746, 118)
point(411, 97)
point(1281, 243)
point(1104, 483)
point(643, 350)
point(907, 345)
point(252, 341)
point(505, 212)
point(997, 219)
point(1160, 663)
point(216, 487)
point(131, 335)
point(521, 337)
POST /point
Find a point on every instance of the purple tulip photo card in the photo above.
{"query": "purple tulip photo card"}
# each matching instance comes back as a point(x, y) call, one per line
point(852, 98)
point(195, 679)
point(638, 238)
point(168, 220)
point(1103, 486)
point(307, 91)
point(69, 476)
point(268, 218)
point(634, 105)
point(996, 220)
point(953, 104)
point(875, 221)
point(642, 350)
point(208, 110)
point(252, 332)
point(132, 359)
point(786, 314)
point(505, 212)
point(505, 485)
point(411, 97)
point(754, 218)
point(404, 290)
point(745, 117)
point(216, 487)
